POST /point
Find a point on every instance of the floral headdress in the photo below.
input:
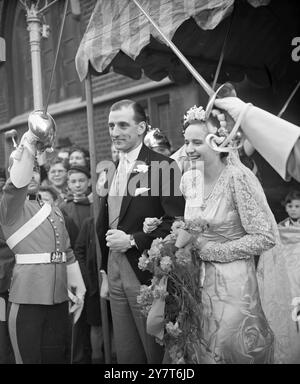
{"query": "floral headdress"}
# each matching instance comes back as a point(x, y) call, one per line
point(199, 114)
point(194, 113)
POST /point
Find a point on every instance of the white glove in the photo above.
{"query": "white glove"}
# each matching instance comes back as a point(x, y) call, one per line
point(76, 289)
point(150, 224)
point(21, 161)
point(75, 305)
point(233, 105)
point(248, 148)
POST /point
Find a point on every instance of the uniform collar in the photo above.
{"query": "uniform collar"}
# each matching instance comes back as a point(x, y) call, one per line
point(294, 222)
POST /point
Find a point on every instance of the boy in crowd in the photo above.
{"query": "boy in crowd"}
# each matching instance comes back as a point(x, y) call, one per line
point(292, 207)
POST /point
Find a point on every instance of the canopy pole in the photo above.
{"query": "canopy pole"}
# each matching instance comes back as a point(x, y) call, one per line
point(204, 84)
point(96, 206)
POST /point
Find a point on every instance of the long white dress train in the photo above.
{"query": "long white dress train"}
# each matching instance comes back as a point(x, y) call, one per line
point(278, 275)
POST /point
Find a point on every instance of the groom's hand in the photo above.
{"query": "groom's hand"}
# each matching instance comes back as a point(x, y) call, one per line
point(117, 240)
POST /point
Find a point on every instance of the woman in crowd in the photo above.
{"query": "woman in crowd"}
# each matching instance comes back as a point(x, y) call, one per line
point(79, 156)
point(57, 172)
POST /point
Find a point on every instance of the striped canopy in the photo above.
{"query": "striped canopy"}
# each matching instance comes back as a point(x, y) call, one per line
point(120, 37)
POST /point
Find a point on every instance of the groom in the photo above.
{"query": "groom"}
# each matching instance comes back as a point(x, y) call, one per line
point(145, 184)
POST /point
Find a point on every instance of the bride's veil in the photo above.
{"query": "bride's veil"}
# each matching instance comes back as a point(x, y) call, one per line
point(256, 188)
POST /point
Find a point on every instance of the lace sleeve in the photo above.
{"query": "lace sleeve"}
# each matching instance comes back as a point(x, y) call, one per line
point(256, 218)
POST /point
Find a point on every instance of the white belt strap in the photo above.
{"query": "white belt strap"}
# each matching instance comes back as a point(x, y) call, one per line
point(30, 226)
point(41, 258)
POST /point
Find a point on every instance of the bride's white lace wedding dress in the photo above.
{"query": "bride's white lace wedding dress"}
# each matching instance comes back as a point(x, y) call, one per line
point(233, 326)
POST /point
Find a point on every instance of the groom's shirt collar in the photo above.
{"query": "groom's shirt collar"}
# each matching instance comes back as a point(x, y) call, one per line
point(132, 155)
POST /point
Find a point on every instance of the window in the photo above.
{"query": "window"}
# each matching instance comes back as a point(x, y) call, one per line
point(66, 83)
point(158, 110)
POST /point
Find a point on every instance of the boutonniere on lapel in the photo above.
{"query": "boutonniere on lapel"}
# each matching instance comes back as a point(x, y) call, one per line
point(140, 168)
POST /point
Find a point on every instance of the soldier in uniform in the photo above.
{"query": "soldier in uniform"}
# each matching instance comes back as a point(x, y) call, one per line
point(45, 272)
point(7, 260)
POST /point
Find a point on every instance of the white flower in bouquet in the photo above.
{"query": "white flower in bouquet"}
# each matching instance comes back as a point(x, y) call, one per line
point(182, 257)
point(155, 250)
point(159, 292)
point(145, 299)
point(176, 355)
point(145, 294)
point(143, 262)
point(173, 329)
point(166, 264)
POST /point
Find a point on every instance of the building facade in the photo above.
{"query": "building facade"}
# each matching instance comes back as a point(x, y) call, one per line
point(164, 101)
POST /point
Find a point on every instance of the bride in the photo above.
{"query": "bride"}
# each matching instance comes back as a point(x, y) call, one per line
point(230, 198)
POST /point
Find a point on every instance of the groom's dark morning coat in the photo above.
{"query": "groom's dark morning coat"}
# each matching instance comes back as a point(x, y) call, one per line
point(134, 209)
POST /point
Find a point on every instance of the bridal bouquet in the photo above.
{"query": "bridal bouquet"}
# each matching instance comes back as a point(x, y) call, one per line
point(172, 303)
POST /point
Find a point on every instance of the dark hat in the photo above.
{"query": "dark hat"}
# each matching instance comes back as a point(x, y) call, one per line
point(63, 142)
point(155, 138)
point(79, 168)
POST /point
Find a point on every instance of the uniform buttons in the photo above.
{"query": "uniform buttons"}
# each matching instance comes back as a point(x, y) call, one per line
point(52, 221)
point(58, 242)
point(57, 249)
point(54, 226)
point(57, 235)
point(61, 220)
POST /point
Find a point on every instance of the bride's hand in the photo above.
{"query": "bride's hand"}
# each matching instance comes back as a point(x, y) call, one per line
point(150, 224)
point(200, 242)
